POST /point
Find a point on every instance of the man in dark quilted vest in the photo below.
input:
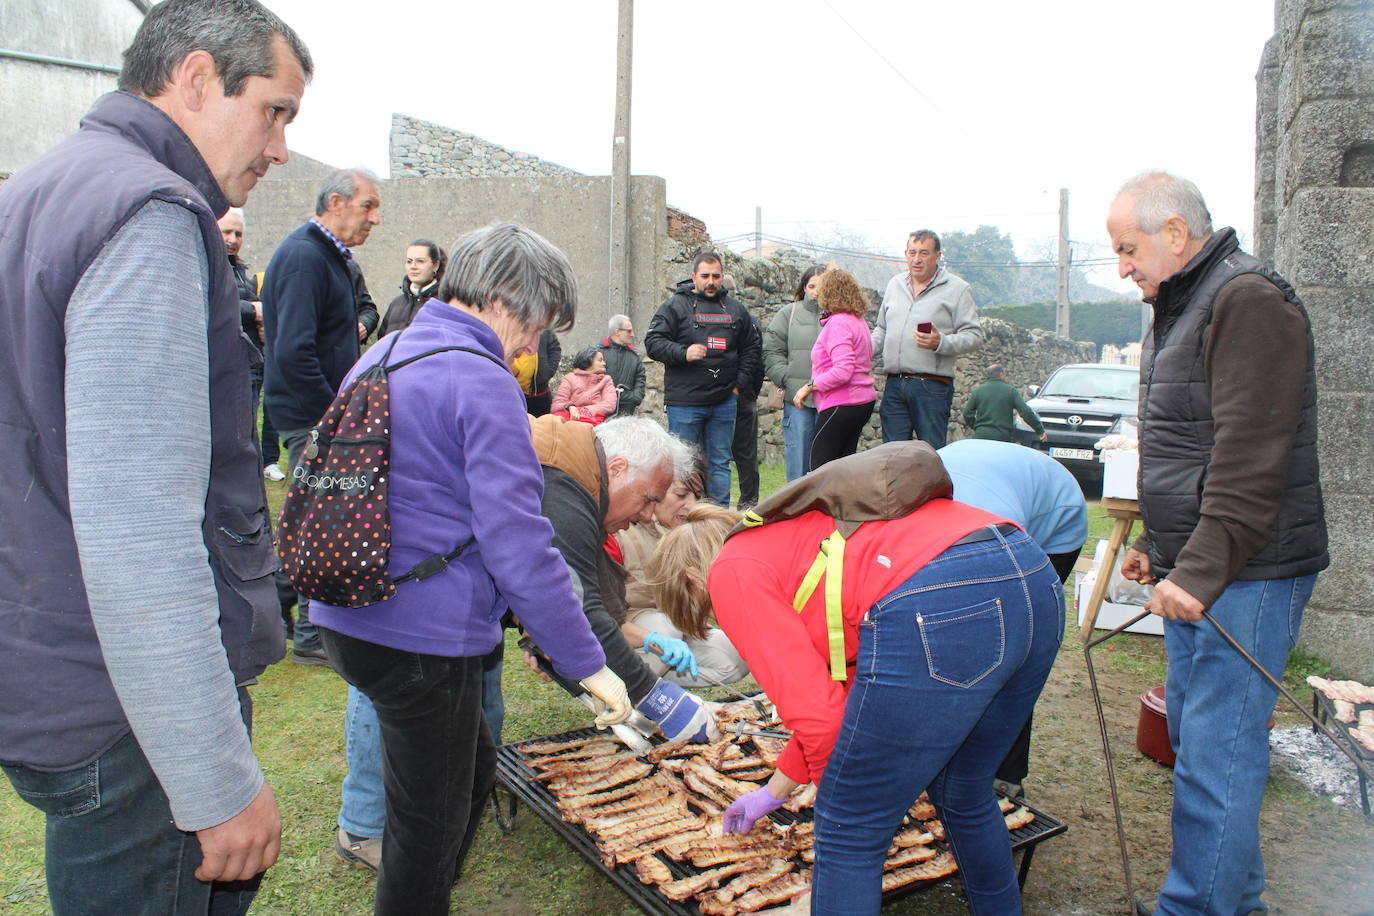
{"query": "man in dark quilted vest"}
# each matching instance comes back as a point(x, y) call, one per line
point(1232, 511)
point(137, 555)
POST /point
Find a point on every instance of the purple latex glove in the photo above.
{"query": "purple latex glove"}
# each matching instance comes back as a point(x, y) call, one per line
point(748, 808)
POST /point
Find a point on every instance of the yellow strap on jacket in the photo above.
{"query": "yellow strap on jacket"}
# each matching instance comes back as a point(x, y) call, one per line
point(829, 563)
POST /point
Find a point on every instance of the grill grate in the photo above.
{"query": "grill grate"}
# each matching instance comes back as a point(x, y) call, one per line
point(517, 776)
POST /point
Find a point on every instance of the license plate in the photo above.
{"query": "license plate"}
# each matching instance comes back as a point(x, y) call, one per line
point(1082, 454)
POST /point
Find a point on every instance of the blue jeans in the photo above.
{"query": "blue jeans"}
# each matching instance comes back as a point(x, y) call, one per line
point(798, 429)
point(363, 811)
point(363, 808)
point(111, 846)
point(950, 665)
point(1218, 710)
point(712, 428)
point(916, 405)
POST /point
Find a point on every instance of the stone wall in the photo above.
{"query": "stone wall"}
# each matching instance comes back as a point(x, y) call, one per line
point(421, 149)
point(1314, 218)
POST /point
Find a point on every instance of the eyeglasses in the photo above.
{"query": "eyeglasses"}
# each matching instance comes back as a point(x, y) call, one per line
point(630, 331)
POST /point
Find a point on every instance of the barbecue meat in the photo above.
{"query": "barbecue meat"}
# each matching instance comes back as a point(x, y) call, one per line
point(804, 797)
point(651, 870)
point(623, 771)
point(692, 885)
point(776, 891)
point(938, 867)
point(1019, 818)
point(751, 879)
point(909, 856)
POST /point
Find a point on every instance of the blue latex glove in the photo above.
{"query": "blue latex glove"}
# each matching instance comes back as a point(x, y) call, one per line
point(679, 714)
point(748, 808)
point(675, 653)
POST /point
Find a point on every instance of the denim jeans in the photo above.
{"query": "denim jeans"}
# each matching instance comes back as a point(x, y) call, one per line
point(439, 766)
point(1218, 710)
point(111, 846)
point(307, 637)
point(363, 808)
point(916, 405)
point(363, 811)
point(798, 429)
point(950, 664)
point(712, 428)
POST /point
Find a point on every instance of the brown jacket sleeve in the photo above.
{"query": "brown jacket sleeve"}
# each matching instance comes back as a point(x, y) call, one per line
point(1255, 356)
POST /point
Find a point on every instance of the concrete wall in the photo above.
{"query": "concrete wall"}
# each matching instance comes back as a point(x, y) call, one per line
point(1314, 219)
point(42, 103)
point(571, 212)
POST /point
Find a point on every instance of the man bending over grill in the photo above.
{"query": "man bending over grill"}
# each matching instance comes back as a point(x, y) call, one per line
point(599, 481)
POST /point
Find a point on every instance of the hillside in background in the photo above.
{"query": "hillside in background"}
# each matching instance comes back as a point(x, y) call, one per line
point(1112, 322)
point(986, 258)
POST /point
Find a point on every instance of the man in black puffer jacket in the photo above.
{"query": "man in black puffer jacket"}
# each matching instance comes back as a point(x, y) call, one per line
point(1231, 504)
point(711, 351)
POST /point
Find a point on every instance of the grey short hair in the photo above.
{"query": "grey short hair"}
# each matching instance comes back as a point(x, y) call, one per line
point(343, 182)
point(616, 323)
point(238, 34)
point(237, 211)
point(996, 370)
point(1159, 195)
point(518, 267)
point(646, 445)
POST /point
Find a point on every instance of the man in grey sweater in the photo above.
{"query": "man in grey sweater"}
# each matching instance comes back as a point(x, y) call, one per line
point(136, 549)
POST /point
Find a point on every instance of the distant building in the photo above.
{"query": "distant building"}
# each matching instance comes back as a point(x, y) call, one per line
point(1128, 355)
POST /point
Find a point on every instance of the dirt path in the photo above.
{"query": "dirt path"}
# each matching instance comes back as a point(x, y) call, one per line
point(1320, 857)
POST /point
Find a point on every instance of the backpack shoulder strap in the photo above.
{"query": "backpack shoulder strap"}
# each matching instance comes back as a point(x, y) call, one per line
point(410, 359)
point(829, 565)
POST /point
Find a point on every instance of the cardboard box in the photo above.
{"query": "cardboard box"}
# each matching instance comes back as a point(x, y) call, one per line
point(1111, 615)
point(1119, 469)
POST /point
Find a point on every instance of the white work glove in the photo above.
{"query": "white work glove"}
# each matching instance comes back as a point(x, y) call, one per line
point(679, 713)
point(611, 698)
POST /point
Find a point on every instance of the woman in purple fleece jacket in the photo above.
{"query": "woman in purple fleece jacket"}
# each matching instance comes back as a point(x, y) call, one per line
point(462, 465)
point(841, 369)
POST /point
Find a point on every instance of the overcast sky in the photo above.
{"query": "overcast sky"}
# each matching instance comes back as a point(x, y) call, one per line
point(874, 116)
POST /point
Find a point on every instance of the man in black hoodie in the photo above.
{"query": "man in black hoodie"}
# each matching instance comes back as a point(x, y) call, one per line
point(710, 349)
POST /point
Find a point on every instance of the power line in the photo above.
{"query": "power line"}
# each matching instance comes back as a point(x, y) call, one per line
point(902, 76)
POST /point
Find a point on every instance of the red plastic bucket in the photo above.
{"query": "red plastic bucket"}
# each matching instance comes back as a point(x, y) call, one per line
point(1152, 731)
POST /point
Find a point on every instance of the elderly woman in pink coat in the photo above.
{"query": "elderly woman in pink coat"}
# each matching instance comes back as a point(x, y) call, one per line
point(587, 393)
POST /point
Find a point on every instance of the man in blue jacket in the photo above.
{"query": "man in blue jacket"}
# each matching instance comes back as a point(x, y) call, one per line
point(139, 602)
point(310, 323)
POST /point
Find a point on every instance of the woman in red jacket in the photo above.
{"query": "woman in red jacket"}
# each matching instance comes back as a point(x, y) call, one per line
point(948, 622)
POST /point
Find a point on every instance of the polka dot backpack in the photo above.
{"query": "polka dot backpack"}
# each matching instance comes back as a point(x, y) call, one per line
point(334, 535)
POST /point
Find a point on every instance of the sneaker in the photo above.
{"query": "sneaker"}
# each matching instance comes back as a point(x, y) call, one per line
point(274, 473)
point(358, 851)
point(310, 657)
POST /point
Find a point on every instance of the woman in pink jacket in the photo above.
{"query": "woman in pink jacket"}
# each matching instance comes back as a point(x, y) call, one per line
point(841, 369)
point(587, 393)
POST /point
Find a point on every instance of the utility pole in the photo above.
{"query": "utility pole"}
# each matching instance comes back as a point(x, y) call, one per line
point(1061, 311)
point(758, 232)
point(618, 282)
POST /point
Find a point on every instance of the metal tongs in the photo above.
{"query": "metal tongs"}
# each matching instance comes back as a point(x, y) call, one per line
point(1136, 907)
